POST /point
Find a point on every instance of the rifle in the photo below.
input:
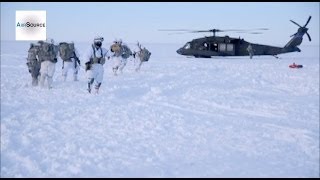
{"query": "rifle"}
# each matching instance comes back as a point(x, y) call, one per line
point(76, 60)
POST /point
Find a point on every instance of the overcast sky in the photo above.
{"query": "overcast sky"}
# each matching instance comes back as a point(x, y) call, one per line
point(140, 21)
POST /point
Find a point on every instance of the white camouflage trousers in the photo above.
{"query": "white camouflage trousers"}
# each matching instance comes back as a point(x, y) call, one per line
point(119, 64)
point(138, 66)
point(47, 70)
point(70, 65)
point(95, 73)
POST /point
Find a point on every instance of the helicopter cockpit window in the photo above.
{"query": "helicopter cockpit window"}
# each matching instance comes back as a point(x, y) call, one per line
point(187, 46)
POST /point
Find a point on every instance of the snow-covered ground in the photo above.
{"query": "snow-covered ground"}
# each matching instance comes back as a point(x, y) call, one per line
point(177, 117)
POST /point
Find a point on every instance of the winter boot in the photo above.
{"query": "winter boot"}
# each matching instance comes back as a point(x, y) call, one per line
point(97, 86)
point(89, 84)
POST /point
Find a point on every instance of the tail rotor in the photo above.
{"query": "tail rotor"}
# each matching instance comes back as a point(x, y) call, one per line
point(302, 29)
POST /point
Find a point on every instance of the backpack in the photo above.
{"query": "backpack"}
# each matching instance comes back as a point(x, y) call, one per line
point(115, 47)
point(126, 52)
point(144, 54)
point(66, 51)
point(32, 52)
point(47, 52)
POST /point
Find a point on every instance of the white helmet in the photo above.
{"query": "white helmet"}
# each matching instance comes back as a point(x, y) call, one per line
point(98, 38)
point(119, 41)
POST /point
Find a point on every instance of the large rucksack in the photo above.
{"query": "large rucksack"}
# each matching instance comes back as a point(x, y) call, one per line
point(66, 51)
point(116, 49)
point(144, 54)
point(126, 52)
point(32, 60)
point(47, 52)
point(33, 52)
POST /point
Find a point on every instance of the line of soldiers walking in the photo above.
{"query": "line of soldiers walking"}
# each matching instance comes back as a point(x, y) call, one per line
point(43, 56)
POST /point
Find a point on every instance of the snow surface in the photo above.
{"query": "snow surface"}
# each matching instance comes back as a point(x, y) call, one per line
point(177, 117)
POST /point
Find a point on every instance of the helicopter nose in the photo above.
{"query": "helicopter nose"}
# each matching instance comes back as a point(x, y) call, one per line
point(179, 51)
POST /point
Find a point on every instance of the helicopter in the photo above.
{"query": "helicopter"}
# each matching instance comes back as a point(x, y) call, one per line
point(207, 47)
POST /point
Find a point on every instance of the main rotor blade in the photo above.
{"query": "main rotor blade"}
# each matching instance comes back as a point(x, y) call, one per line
point(215, 30)
point(255, 29)
point(177, 33)
point(307, 21)
point(250, 32)
point(295, 23)
point(308, 36)
point(174, 30)
point(263, 29)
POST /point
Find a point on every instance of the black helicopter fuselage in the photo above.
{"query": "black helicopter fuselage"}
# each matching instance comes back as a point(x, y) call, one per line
point(226, 46)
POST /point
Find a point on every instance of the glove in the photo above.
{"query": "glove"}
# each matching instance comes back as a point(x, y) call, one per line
point(88, 66)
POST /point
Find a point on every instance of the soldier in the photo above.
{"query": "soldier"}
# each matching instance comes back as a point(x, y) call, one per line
point(143, 54)
point(48, 58)
point(70, 59)
point(33, 63)
point(121, 52)
point(94, 60)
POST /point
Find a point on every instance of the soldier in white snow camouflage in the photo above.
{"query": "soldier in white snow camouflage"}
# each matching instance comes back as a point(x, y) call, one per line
point(143, 54)
point(33, 63)
point(48, 57)
point(121, 52)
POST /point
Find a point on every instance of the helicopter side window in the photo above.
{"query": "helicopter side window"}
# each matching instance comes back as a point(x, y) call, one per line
point(187, 46)
point(213, 47)
point(229, 47)
point(222, 47)
point(205, 46)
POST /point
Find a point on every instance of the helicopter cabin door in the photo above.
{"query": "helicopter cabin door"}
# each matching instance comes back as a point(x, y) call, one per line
point(226, 49)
